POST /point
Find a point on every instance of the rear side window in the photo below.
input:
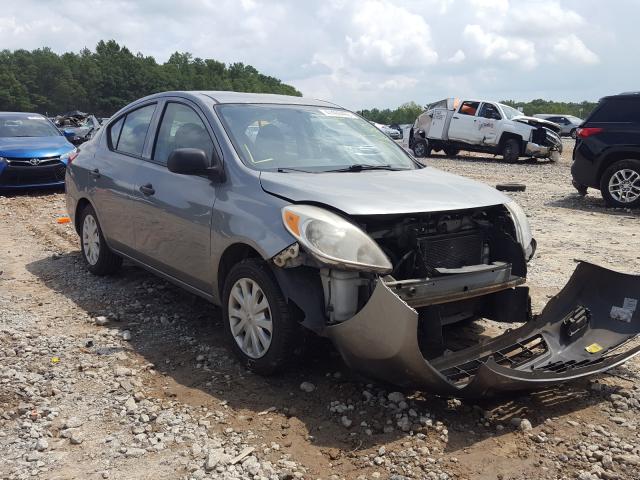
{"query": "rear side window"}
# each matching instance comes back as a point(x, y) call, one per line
point(133, 131)
point(181, 127)
point(469, 108)
point(618, 110)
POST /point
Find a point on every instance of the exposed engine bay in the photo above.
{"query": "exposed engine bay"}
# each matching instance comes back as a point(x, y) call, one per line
point(411, 326)
point(444, 243)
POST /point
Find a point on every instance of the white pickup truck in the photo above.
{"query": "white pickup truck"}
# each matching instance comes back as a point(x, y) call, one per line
point(452, 125)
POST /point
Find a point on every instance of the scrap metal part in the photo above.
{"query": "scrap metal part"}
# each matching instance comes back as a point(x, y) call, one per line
point(579, 333)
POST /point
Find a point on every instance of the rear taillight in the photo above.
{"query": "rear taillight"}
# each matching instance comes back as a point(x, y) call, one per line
point(588, 131)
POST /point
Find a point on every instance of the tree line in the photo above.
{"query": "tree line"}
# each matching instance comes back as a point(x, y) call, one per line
point(408, 112)
point(105, 80)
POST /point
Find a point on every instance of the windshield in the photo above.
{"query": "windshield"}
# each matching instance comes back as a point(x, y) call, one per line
point(311, 139)
point(26, 126)
point(510, 112)
point(574, 120)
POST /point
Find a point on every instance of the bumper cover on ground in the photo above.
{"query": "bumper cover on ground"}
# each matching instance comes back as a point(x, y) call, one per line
point(581, 331)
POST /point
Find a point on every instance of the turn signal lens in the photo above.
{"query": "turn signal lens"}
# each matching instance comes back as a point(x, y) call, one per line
point(292, 221)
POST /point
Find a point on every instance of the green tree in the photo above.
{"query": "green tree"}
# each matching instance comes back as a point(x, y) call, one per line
point(105, 80)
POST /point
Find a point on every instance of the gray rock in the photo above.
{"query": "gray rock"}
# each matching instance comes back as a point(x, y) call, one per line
point(525, 425)
point(135, 452)
point(73, 422)
point(215, 457)
point(307, 387)
point(346, 421)
point(126, 335)
point(42, 444)
point(395, 397)
point(627, 459)
point(76, 438)
point(101, 320)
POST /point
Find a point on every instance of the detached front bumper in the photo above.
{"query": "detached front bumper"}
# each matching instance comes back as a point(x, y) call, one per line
point(581, 332)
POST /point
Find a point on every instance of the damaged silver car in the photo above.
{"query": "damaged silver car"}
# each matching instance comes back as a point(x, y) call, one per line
point(295, 214)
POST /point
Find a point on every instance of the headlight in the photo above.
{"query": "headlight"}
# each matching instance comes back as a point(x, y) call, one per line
point(333, 240)
point(522, 228)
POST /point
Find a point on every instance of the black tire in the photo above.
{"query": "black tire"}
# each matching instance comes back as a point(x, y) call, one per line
point(630, 165)
point(106, 262)
point(286, 335)
point(574, 133)
point(511, 187)
point(451, 151)
point(421, 148)
point(511, 150)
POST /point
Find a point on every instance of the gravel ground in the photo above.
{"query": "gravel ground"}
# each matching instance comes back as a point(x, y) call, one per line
point(128, 377)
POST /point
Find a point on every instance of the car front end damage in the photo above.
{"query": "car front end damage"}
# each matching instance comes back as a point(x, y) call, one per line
point(544, 140)
point(406, 321)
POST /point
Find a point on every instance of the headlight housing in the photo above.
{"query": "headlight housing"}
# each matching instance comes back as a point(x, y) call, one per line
point(522, 228)
point(332, 240)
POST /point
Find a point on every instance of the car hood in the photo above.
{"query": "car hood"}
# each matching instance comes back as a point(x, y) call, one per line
point(378, 192)
point(30, 147)
point(538, 122)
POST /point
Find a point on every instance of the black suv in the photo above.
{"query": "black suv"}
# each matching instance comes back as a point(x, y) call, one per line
point(607, 151)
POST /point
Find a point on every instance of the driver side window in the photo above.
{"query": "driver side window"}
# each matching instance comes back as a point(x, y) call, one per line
point(181, 127)
point(490, 111)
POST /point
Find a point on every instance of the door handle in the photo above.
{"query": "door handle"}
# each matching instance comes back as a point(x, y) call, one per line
point(456, 118)
point(147, 189)
point(95, 173)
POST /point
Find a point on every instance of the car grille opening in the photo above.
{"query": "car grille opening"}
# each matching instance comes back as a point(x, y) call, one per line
point(48, 171)
point(453, 250)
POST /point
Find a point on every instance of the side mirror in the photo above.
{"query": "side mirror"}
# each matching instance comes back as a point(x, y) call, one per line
point(194, 161)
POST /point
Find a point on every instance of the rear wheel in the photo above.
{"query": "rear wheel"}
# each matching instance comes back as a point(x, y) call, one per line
point(511, 150)
point(620, 184)
point(258, 322)
point(99, 257)
point(451, 151)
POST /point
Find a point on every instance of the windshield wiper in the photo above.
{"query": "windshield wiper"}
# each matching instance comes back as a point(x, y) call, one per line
point(359, 167)
point(289, 169)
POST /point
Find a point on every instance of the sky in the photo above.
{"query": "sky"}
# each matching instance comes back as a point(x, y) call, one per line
point(366, 53)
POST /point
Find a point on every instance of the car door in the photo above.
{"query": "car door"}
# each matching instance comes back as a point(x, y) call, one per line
point(112, 171)
point(487, 124)
point(462, 127)
point(173, 216)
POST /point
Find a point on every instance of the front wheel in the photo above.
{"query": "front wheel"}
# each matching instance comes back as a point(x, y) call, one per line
point(511, 150)
point(101, 260)
point(574, 133)
point(620, 184)
point(257, 320)
point(420, 148)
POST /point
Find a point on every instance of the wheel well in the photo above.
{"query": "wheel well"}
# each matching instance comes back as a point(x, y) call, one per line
point(232, 255)
point(82, 203)
point(614, 157)
point(506, 136)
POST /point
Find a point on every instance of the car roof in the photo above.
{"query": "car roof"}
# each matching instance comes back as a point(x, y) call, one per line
point(221, 97)
point(20, 114)
point(623, 95)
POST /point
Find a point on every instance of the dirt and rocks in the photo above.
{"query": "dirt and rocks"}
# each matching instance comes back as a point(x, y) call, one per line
point(128, 377)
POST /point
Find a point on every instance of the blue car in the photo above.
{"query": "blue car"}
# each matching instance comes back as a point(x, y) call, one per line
point(33, 152)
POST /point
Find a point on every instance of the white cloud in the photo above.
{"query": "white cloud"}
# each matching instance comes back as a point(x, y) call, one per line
point(388, 35)
point(492, 46)
point(571, 48)
point(457, 57)
point(364, 53)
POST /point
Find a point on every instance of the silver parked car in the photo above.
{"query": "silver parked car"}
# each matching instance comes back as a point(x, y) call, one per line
point(568, 123)
point(295, 214)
